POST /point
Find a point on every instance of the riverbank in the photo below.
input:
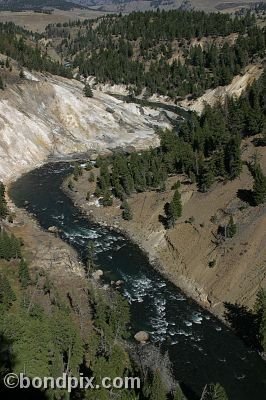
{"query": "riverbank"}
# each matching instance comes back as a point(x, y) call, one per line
point(54, 261)
point(214, 272)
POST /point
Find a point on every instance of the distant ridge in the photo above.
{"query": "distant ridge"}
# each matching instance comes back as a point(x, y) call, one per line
point(20, 5)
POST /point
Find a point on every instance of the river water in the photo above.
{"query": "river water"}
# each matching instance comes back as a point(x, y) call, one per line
point(201, 348)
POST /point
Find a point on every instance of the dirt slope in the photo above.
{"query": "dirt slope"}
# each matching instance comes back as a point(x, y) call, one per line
point(185, 253)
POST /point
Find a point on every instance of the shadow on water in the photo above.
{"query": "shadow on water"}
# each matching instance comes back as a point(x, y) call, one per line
point(201, 348)
point(244, 323)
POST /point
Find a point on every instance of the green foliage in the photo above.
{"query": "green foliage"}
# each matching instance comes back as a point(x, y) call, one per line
point(107, 200)
point(10, 246)
point(90, 257)
point(3, 205)
point(24, 276)
point(260, 311)
point(174, 209)
point(233, 164)
point(231, 228)
point(127, 212)
point(136, 49)
point(14, 41)
point(2, 86)
point(214, 391)
point(87, 90)
point(7, 296)
point(77, 172)
point(179, 394)
point(259, 187)
point(156, 390)
point(176, 185)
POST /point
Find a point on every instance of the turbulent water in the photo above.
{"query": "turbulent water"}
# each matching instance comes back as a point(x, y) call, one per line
point(200, 347)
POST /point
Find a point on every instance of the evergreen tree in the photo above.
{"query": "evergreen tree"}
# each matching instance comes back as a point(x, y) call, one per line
point(24, 276)
point(90, 257)
point(157, 388)
point(233, 163)
point(2, 87)
point(3, 204)
point(259, 187)
point(179, 395)
point(87, 90)
point(7, 296)
point(231, 228)
point(77, 172)
point(107, 200)
point(127, 212)
point(174, 210)
point(205, 178)
point(214, 391)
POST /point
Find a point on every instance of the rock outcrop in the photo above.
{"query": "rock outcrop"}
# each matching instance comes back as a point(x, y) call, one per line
point(45, 116)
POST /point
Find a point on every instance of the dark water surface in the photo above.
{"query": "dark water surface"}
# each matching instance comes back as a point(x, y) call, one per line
point(200, 347)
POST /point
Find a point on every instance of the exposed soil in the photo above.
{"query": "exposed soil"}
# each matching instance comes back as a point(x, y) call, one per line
point(191, 255)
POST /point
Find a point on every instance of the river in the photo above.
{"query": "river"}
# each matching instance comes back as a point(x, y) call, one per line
point(201, 348)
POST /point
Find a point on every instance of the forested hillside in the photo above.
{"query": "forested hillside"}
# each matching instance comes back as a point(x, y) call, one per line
point(172, 53)
point(206, 148)
point(21, 45)
point(19, 5)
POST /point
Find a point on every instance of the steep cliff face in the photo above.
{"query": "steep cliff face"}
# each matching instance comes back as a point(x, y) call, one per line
point(44, 115)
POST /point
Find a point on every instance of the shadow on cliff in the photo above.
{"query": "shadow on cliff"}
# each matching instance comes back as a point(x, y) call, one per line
point(246, 196)
point(244, 323)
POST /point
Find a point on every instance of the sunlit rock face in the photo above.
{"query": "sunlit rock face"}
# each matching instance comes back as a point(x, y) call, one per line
point(45, 115)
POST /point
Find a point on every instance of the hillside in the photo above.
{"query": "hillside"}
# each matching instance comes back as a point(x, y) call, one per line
point(144, 5)
point(15, 5)
point(173, 53)
point(43, 116)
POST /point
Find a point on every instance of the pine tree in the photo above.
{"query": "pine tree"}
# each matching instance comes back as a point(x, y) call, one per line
point(157, 389)
point(87, 90)
point(77, 172)
point(214, 391)
point(3, 204)
point(205, 178)
point(127, 213)
point(179, 395)
point(90, 257)
point(262, 329)
point(231, 228)
point(7, 296)
point(2, 87)
point(233, 163)
point(259, 187)
point(174, 210)
point(24, 276)
point(107, 200)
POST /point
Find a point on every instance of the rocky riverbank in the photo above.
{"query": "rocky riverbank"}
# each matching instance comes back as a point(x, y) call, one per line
point(210, 270)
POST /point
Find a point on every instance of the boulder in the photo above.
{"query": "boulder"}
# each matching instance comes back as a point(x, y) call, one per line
point(97, 274)
point(142, 336)
point(53, 229)
point(93, 157)
point(119, 282)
